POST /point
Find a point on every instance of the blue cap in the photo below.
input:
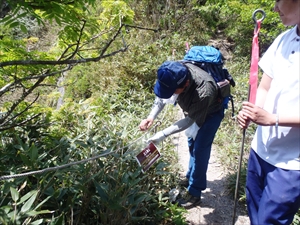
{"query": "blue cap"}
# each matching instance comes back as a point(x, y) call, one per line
point(170, 76)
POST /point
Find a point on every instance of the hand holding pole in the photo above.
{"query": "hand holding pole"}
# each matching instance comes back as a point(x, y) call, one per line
point(251, 93)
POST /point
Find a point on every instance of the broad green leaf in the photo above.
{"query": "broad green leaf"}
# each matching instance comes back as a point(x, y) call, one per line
point(102, 191)
point(25, 160)
point(14, 194)
point(29, 203)
point(40, 221)
point(40, 204)
point(3, 216)
point(27, 196)
point(34, 213)
point(57, 20)
point(12, 215)
point(15, 24)
point(58, 221)
point(33, 152)
point(6, 209)
point(23, 28)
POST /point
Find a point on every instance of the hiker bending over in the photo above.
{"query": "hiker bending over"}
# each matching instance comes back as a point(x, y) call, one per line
point(197, 95)
point(273, 175)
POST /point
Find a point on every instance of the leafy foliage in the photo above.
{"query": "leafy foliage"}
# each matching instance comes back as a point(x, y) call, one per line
point(96, 58)
point(25, 70)
point(235, 20)
point(62, 12)
point(110, 185)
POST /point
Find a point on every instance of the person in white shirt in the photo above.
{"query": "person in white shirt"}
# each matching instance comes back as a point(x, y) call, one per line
point(273, 176)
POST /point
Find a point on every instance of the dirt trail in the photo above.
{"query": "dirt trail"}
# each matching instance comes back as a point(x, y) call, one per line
point(217, 206)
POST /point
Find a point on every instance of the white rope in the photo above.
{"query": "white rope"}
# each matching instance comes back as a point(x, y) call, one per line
point(6, 177)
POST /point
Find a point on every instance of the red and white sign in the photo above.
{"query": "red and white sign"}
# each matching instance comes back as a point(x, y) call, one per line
point(148, 156)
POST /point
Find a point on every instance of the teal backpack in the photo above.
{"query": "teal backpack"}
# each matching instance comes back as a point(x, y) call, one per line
point(210, 59)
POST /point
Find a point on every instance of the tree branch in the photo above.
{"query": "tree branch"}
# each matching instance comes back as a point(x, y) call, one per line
point(22, 98)
point(71, 61)
point(3, 128)
point(68, 59)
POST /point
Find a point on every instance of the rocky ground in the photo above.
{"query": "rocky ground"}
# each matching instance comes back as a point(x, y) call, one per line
point(217, 205)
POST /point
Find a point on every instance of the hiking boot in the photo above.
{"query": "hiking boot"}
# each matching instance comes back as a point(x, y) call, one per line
point(189, 201)
point(184, 182)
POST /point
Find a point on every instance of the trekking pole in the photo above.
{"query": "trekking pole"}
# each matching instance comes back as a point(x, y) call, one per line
point(251, 94)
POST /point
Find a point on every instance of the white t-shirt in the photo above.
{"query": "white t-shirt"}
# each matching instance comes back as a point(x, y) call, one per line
point(281, 147)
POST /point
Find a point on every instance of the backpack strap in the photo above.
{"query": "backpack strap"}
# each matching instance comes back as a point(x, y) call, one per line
point(221, 90)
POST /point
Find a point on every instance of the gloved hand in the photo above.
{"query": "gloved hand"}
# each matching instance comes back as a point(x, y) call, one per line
point(157, 138)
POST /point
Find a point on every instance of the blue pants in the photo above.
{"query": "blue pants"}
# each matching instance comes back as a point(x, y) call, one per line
point(200, 149)
point(273, 194)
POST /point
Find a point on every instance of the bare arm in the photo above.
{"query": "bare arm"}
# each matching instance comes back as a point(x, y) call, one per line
point(270, 119)
point(261, 117)
point(258, 115)
point(247, 114)
point(262, 90)
point(289, 121)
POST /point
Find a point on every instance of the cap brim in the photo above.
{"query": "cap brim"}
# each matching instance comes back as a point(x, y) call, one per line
point(162, 91)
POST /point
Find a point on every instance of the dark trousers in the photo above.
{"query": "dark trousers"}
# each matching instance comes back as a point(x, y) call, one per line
point(273, 194)
point(200, 149)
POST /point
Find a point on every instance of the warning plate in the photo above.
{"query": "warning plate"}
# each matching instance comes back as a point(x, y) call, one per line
point(148, 156)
